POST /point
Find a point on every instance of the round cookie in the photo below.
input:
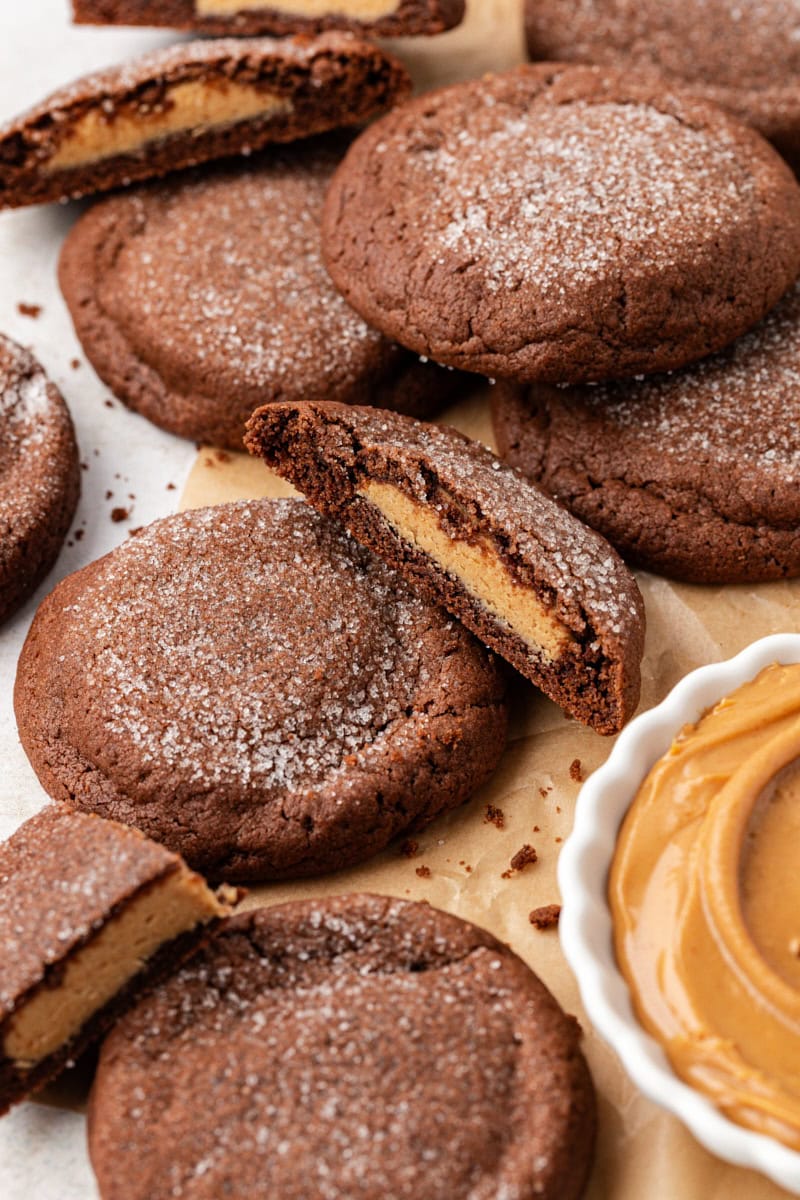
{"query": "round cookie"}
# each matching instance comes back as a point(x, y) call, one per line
point(254, 690)
point(39, 475)
point(360, 1047)
point(562, 224)
point(199, 299)
point(744, 57)
point(694, 475)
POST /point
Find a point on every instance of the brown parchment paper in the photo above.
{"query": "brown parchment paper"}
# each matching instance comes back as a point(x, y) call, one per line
point(642, 1153)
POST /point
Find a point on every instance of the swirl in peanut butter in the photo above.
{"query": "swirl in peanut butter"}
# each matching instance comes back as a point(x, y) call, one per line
point(705, 895)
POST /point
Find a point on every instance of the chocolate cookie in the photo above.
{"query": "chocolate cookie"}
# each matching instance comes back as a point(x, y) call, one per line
point(562, 223)
point(91, 913)
point(39, 475)
point(744, 57)
point(200, 299)
point(468, 533)
point(693, 475)
point(256, 691)
point(386, 18)
point(359, 1046)
point(187, 104)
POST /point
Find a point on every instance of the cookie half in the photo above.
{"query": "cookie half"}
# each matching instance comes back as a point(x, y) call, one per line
point(562, 223)
point(39, 475)
point(199, 299)
point(536, 585)
point(355, 1046)
point(91, 914)
point(746, 58)
point(250, 687)
point(187, 104)
point(386, 18)
point(694, 475)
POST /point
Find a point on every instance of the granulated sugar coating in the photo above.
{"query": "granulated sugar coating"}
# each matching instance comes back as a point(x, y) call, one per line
point(250, 687)
point(744, 56)
point(39, 474)
point(198, 300)
point(563, 224)
point(696, 473)
point(358, 1047)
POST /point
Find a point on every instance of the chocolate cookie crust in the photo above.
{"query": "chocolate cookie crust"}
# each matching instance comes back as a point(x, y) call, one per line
point(254, 690)
point(39, 475)
point(562, 224)
point(358, 1046)
point(692, 475)
point(190, 103)
point(198, 300)
point(746, 58)
point(67, 882)
point(472, 535)
point(400, 18)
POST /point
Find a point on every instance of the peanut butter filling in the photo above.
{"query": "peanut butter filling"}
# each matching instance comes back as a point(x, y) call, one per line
point(477, 566)
point(196, 106)
point(705, 894)
point(96, 973)
point(362, 10)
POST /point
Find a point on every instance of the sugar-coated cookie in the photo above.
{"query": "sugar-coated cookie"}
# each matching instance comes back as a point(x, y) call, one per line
point(357, 1046)
point(39, 474)
point(199, 299)
point(91, 913)
point(187, 104)
point(695, 475)
point(562, 223)
point(250, 687)
point(469, 533)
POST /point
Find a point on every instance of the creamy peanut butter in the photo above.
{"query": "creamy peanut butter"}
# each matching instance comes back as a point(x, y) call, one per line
point(362, 10)
point(95, 974)
point(196, 106)
point(477, 565)
point(705, 895)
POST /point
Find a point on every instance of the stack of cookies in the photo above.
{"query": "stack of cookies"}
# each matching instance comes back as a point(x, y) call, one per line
point(275, 689)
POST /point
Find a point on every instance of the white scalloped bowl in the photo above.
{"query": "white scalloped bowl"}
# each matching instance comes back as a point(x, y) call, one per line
point(586, 926)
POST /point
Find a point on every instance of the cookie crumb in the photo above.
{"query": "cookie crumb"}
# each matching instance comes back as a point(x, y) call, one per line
point(423, 872)
point(526, 856)
point(108, 403)
point(171, 487)
point(222, 456)
point(575, 770)
point(29, 310)
point(136, 530)
point(75, 364)
point(119, 514)
point(494, 816)
point(409, 848)
point(78, 535)
point(545, 917)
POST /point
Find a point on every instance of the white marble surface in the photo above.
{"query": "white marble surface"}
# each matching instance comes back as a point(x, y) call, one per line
point(42, 1150)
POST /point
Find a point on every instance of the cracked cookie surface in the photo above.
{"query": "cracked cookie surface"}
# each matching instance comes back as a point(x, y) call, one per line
point(694, 474)
point(251, 688)
point(357, 1046)
point(562, 223)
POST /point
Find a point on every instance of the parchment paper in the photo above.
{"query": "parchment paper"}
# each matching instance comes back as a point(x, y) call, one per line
point(642, 1154)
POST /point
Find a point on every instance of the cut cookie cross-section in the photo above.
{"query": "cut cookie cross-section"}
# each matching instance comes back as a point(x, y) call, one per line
point(473, 535)
point(91, 913)
point(189, 104)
